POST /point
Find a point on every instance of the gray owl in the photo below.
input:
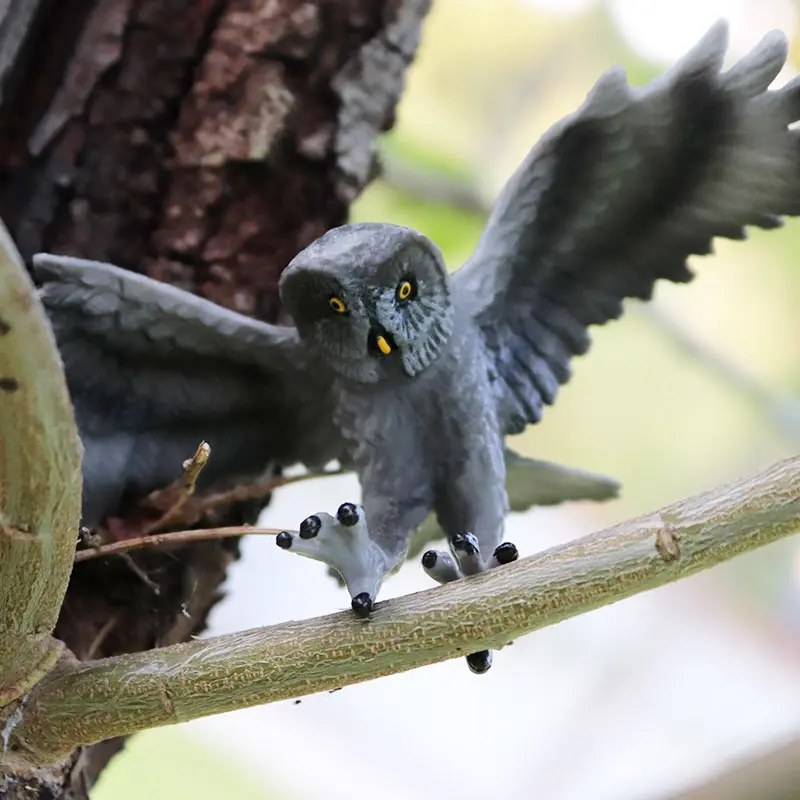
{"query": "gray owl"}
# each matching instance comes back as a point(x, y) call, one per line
point(409, 374)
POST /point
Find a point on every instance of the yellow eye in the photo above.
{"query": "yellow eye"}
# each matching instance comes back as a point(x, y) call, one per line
point(337, 305)
point(405, 290)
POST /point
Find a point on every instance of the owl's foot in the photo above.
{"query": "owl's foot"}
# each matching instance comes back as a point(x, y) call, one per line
point(343, 542)
point(464, 559)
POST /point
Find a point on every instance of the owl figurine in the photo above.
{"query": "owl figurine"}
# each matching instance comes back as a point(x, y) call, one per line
point(411, 375)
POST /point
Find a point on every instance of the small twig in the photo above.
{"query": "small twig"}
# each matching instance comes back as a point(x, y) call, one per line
point(193, 466)
point(184, 487)
point(108, 626)
point(188, 510)
point(140, 574)
point(253, 491)
point(172, 539)
point(191, 508)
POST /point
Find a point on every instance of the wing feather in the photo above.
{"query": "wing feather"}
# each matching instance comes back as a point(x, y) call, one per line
point(617, 196)
point(153, 370)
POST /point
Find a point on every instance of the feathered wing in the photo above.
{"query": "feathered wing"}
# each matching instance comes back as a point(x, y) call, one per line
point(618, 195)
point(153, 370)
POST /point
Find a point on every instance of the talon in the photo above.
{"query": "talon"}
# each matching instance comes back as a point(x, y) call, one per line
point(348, 550)
point(480, 662)
point(467, 552)
point(362, 604)
point(506, 552)
point(347, 515)
point(429, 559)
point(467, 543)
point(310, 526)
point(284, 540)
point(440, 566)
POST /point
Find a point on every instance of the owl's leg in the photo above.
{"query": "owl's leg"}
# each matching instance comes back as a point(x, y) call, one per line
point(466, 560)
point(343, 542)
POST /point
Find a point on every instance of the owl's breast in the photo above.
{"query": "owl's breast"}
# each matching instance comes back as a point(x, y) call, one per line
point(465, 410)
point(437, 430)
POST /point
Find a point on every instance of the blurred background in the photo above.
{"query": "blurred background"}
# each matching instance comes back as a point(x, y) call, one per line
point(644, 699)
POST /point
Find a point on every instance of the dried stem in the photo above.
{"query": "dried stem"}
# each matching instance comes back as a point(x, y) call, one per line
point(181, 490)
point(188, 509)
point(172, 539)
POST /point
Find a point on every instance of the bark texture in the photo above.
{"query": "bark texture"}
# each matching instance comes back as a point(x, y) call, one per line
point(203, 143)
point(92, 701)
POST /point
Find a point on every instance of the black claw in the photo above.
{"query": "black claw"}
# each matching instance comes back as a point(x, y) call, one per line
point(429, 559)
point(506, 552)
point(284, 540)
point(347, 515)
point(463, 542)
point(480, 662)
point(362, 604)
point(310, 526)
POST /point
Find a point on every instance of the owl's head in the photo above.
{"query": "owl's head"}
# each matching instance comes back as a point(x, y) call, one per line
point(373, 299)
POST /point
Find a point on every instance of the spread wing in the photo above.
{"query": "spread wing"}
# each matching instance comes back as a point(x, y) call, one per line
point(618, 195)
point(153, 370)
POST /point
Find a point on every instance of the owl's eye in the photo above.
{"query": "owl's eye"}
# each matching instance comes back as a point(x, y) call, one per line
point(406, 290)
point(337, 305)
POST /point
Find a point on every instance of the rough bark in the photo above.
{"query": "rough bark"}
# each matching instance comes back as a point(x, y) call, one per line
point(40, 482)
point(202, 142)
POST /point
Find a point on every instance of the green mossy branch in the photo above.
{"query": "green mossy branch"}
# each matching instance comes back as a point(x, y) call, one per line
point(40, 481)
point(83, 703)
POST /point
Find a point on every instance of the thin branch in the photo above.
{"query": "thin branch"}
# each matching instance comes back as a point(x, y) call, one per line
point(185, 508)
point(79, 703)
point(254, 491)
point(188, 508)
point(172, 539)
point(180, 491)
point(40, 480)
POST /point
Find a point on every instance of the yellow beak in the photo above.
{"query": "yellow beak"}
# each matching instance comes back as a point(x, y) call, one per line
point(383, 345)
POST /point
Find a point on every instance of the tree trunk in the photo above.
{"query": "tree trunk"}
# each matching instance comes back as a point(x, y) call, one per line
point(203, 143)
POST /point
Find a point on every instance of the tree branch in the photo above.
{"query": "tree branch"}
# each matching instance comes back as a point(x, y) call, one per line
point(172, 539)
point(88, 702)
point(40, 481)
point(182, 489)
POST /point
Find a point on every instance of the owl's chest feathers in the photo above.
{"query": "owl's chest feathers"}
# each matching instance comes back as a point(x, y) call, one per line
point(438, 422)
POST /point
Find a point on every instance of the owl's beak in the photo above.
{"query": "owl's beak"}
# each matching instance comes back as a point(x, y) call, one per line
point(380, 341)
point(383, 345)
